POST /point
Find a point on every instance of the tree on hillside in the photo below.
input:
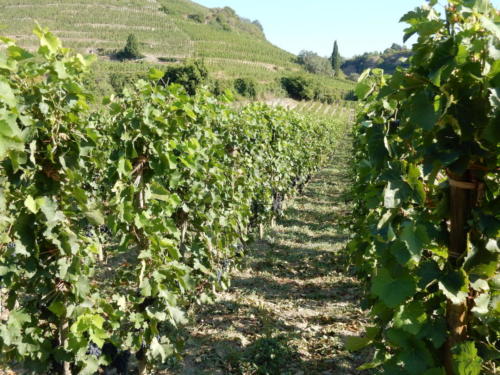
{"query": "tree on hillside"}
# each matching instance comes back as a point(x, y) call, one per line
point(314, 63)
point(259, 25)
point(336, 60)
point(131, 49)
point(191, 75)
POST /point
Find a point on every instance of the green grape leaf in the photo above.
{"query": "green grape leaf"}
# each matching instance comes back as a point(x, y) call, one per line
point(492, 245)
point(481, 304)
point(435, 331)
point(6, 93)
point(400, 251)
point(155, 74)
point(90, 366)
point(393, 292)
point(415, 237)
point(48, 42)
point(355, 343)
point(416, 359)
point(58, 308)
point(95, 217)
point(60, 69)
point(157, 350)
point(466, 360)
point(30, 204)
point(422, 112)
point(390, 196)
point(455, 285)
point(411, 317)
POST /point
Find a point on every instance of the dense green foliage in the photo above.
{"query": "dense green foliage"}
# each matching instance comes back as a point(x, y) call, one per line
point(427, 155)
point(392, 58)
point(45, 146)
point(310, 87)
point(120, 81)
point(190, 75)
point(131, 50)
point(298, 87)
point(114, 223)
point(313, 63)
point(246, 87)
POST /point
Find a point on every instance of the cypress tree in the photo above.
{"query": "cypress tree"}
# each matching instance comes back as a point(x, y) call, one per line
point(336, 59)
point(131, 50)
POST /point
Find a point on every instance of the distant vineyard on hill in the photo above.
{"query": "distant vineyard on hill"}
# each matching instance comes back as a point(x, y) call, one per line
point(168, 32)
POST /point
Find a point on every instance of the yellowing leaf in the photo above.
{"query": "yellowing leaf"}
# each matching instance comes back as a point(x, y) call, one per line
point(30, 204)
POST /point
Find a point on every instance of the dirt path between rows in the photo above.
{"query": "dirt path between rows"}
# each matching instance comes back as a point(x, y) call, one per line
point(292, 302)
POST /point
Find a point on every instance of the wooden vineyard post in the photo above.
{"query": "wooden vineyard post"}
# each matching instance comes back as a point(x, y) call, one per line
point(63, 334)
point(463, 196)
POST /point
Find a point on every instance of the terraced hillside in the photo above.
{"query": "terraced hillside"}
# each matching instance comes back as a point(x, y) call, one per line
point(168, 30)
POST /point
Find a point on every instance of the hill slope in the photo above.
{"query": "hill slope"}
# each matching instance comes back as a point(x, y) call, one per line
point(164, 28)
point(168, 31)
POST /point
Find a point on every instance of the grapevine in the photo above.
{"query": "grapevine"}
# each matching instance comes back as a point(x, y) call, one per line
point(115, 222)
point(427, 197)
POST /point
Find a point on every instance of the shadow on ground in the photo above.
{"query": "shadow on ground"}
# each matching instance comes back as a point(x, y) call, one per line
point(293, 300)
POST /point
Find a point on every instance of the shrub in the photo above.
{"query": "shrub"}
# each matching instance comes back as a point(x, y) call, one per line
point(258, 24)
point(311, 87)
point(190, 75)
point(121, 80)
point(199, 18)
point(219, 87)
point(246, 87)
point(131, 49)
point(313, 63)
point(298, 87)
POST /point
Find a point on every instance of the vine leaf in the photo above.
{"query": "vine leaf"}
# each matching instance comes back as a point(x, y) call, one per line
point(57, 307)
point(94, 217)
point(390, 198)
point(354, 343)
point(422, 111)
point(393, 292)
point(30, 204)
point(90, 367)
point(492, 245)
point(411, 317)
point(481, 304)
point(416, 358)
point(414, 236)
point(455, 285)
point(6, 93)
point(465, 358)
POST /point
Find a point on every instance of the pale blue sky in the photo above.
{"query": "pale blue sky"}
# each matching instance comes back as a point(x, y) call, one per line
point(358, 25)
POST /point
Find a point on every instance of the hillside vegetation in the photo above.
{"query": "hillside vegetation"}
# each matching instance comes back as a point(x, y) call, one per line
point(167, 31)
point(389, 60)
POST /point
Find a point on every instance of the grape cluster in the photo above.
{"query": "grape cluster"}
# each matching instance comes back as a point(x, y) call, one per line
point(94, 350)
point(89, 233)
point(104, 229)
point(11, 245)
point(119, 360)
point(257, 208)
